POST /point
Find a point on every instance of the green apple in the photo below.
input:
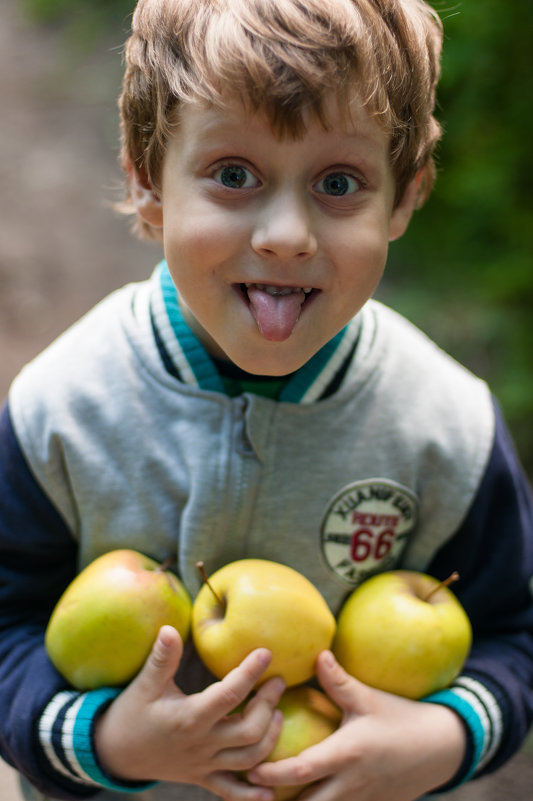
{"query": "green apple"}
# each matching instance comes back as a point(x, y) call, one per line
point(255, 603)
point(308, 718)
point(403, 632)
point(105, 623)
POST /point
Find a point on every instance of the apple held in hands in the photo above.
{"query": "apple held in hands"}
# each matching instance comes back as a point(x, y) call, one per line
point(403, 632)
point(105, 623)
point(308, 718)
point(255, 603)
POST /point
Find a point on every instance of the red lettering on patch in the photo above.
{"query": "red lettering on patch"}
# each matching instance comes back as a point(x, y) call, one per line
point(366, 543)
point(369, 519)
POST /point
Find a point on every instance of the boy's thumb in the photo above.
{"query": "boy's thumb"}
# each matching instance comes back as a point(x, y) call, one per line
point(163, 661)
point(348, 693)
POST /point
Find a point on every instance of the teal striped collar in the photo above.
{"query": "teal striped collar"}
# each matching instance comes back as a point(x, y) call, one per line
point(194, 366)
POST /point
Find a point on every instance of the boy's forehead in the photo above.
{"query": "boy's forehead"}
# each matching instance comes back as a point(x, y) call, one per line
point(350, 121)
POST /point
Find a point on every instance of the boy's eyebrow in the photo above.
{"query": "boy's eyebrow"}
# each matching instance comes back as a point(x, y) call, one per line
point(218, 130)
point(365, 128)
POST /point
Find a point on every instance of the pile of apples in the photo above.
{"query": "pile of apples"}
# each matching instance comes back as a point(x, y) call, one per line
point(400, 631)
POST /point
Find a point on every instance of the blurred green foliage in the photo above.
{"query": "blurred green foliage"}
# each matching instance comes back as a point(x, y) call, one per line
point(52, 10)
point(463, 272)
point(84, 21)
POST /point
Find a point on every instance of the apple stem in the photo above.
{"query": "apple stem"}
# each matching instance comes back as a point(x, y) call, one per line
point(164, 565)
point(446, 583)
point(201, 568)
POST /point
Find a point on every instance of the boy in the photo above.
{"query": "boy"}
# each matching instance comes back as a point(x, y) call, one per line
point(251, 400)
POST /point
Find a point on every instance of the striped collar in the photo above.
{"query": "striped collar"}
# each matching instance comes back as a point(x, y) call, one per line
point(186, 358)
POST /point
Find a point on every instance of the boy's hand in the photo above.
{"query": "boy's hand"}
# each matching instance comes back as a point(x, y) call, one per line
point(152, 731)
point(387, 748)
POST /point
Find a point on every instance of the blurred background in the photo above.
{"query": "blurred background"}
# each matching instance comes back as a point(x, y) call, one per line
point(463, 272)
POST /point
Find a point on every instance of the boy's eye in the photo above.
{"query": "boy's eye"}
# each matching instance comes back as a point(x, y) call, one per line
point(234, 176)
point(337, 184)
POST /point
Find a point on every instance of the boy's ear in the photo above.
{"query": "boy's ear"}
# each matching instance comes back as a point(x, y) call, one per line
point(145, 198)
point(402, 213)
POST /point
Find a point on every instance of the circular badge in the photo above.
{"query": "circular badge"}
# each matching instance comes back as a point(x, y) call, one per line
point(366, 526)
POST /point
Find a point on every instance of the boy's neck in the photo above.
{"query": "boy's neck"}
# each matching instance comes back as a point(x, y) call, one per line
point(237, 381)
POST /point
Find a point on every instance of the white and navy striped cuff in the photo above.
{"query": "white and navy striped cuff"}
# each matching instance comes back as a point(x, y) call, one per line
point(482, 715)
point(66, 738)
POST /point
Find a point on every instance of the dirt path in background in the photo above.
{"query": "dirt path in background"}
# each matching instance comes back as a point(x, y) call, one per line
point(62, 249)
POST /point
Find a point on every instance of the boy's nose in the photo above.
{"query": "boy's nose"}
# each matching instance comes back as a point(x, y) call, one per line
point(284, 230)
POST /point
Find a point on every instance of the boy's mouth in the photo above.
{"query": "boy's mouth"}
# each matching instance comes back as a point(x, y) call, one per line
point(276, 309)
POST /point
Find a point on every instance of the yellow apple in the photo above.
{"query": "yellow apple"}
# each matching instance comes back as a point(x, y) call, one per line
point(308, 718)
point(402, 632)
point(255, 603)
point(105, 623)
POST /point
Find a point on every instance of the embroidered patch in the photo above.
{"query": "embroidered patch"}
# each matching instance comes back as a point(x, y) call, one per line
point(365, 528)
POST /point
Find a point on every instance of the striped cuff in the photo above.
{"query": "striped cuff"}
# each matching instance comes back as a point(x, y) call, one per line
point(482, 716)
point(66, 737)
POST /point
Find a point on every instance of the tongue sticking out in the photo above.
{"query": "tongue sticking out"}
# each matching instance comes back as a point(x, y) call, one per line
point(275, 314)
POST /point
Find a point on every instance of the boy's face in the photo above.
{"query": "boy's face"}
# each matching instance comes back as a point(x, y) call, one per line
point(274, 245)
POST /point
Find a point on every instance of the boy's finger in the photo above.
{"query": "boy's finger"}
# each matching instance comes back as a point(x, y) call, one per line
point(251, 725)
point(348, 693)
point(230, 788)
point(316, 762)
point(224, 696)
point(162, 663)
point(254, 744)
point(267, 695)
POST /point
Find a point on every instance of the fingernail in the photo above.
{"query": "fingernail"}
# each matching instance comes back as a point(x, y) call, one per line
point(327, 658)
point(278, 716)
point(164, 637)
point(265, 657)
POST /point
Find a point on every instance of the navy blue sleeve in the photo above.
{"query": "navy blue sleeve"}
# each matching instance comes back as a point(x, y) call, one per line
point(37, 561)
point(493, 553)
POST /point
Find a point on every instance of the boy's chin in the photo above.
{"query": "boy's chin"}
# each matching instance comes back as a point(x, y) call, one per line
point(276, 362)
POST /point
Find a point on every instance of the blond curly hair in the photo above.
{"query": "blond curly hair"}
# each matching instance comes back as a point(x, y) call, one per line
point(283, 58)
